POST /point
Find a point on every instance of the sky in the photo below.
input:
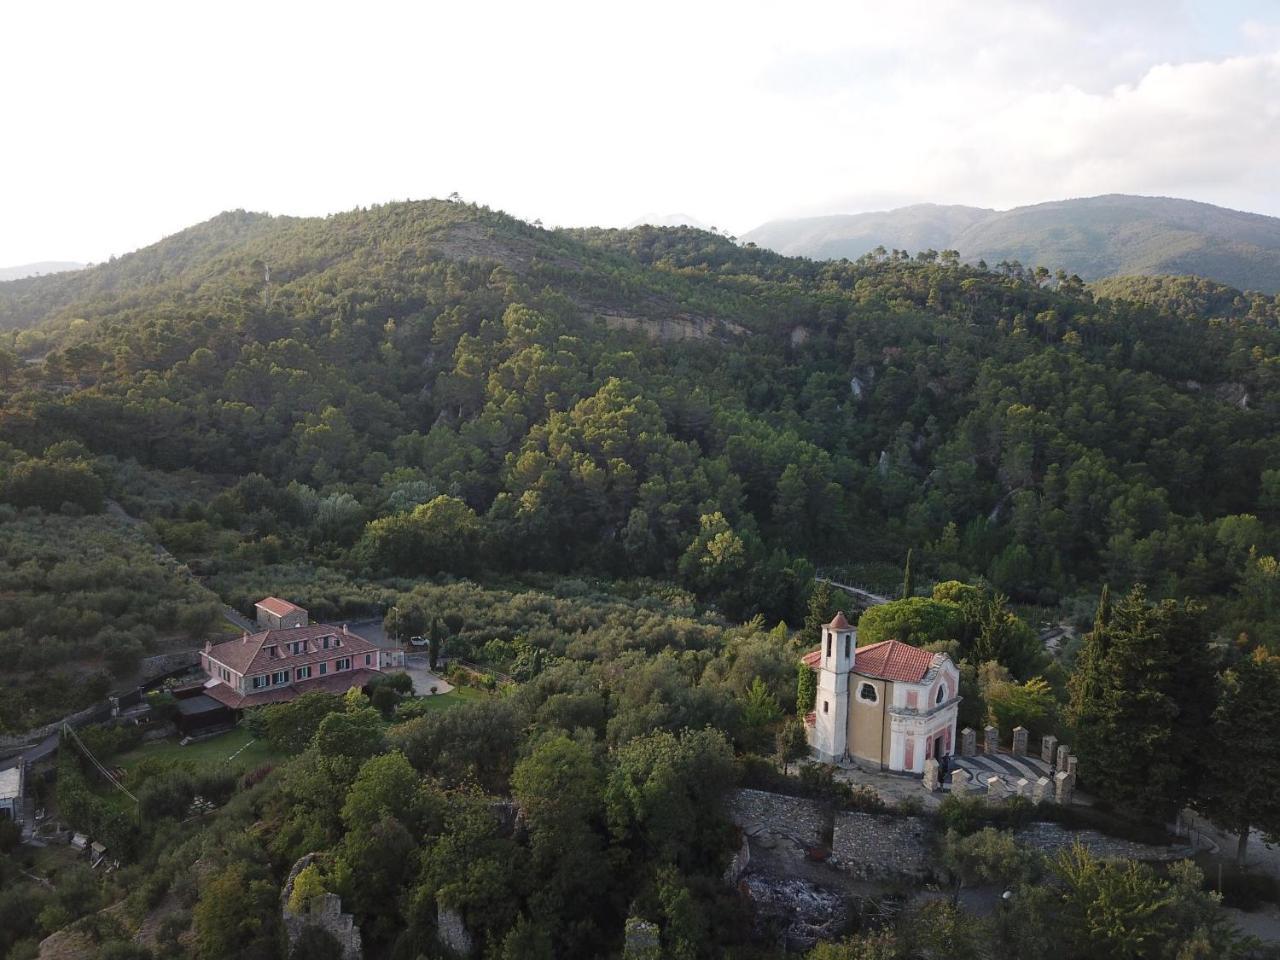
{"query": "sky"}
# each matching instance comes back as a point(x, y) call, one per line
point(129, 121)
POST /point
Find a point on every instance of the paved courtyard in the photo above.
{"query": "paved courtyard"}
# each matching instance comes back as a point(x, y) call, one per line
point(896, 787)
point(415, 664)
point(1006, 766)
point(892, 787)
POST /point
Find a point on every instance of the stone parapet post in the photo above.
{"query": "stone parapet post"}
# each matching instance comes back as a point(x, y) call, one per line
point(995, 788)
point(932, 777)
point(1019, 741)
point(1063, 752)
point(1063, 785)
point(1040, 790)
point(1048, 747)
point(959, 783)
point(990, 739)
point(968, 742)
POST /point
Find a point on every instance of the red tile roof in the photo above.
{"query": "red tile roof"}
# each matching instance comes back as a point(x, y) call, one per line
point(813, 658)
point(252, 654)
point(333, 683)
point(892, 660)
point(281, 608)
point(838, 622)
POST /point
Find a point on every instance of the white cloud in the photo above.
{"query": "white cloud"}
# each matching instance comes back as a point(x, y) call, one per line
point(126, 122)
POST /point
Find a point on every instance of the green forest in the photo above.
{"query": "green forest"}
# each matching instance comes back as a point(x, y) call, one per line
point(605, 467)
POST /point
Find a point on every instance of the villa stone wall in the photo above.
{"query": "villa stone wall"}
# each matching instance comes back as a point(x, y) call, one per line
point(452, 932)
point(324, 911)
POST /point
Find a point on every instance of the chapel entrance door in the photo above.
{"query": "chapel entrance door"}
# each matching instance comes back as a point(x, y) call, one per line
point(937, 748)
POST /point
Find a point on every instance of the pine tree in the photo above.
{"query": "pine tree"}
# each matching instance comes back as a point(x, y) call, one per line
point(1242, 779)
point(908, 581)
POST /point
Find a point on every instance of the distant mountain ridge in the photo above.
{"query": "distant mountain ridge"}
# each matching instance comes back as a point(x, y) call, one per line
point(38, 269)
point(1095, 237)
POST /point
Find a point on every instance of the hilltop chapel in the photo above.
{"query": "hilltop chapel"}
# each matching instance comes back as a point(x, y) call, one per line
point(888, 705)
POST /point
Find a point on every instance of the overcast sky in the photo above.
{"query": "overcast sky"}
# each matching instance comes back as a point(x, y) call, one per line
point(125, 122)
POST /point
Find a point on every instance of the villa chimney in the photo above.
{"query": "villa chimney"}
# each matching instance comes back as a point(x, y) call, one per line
point(244, 637)
point(345, 631)
point(208, 645)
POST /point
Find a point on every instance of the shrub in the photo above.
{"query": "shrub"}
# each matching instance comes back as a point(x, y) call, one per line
point(307, 885)
point(964, 815)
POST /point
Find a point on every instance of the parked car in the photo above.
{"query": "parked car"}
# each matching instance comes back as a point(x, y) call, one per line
point(418, 641)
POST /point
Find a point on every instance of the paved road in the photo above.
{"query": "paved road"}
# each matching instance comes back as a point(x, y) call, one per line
point(34, 754)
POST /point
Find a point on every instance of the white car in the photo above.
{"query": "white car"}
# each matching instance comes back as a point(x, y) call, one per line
point(418, 641)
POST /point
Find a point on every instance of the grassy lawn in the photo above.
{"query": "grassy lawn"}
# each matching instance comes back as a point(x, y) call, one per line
point(454, 698)
point(206, 753)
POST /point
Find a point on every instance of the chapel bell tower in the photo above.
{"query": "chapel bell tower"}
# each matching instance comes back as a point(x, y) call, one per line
point(831, 709)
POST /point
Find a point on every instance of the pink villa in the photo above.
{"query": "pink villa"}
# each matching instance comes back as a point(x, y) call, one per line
point(889, 705)
point(288, 658)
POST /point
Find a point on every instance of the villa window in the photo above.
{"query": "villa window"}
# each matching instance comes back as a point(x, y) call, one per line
point(260, 682)
point(324, 668)
point(343, 664)
point(942, 694)
point(368, 659)
point(280, 676)
point(867, 693)
point(302, 673)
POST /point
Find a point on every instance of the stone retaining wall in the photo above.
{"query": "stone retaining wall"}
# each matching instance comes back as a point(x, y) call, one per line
point(875, 847)
point(808, 822)
point(162, 663)
point(1049, 838)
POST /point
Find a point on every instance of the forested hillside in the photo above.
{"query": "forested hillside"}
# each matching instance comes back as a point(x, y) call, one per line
point(599, 467)
point(435, 386)
point(1096, 237)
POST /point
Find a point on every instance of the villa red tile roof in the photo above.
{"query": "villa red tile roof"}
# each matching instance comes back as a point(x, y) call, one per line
point(281, 608)
point(252, 654)
point(333, 683)
point(892, 660)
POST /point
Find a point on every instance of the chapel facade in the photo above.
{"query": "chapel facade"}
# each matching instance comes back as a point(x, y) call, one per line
point(888, 705)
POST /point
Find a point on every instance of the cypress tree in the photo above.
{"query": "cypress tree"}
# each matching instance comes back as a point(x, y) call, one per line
point(1241, 787)
point(820, 611)
point(1141, 700)
point(908, 581)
